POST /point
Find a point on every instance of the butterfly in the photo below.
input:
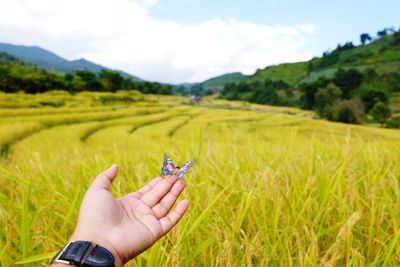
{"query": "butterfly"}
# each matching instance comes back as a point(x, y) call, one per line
point(169, 168)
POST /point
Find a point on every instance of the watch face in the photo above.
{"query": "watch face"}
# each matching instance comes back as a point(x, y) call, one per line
point(84, 253)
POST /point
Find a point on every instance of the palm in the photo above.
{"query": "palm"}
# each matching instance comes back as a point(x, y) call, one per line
point(134, 222)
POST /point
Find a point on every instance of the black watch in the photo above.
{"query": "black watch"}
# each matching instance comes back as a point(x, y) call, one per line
point(84, 253)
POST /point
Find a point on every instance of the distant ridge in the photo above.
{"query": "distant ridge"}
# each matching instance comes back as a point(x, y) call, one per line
point(52, 62)
point(218, 82)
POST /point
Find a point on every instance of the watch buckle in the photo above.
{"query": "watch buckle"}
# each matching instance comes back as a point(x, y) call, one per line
point(57, 257)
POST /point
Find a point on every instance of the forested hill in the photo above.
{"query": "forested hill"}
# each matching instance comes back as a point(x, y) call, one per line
point(51, 62)
point(350, 84)
point(16, 75)
point(219, 81)
point(210, 86)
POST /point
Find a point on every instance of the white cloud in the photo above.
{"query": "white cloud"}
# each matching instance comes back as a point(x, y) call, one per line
point(121, 34)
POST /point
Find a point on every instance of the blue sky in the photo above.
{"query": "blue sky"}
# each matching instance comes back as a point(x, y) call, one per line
point(177, 41)
point(337, 21)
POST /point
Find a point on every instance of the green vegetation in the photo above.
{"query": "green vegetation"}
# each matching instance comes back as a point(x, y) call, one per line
point(49, 61)
point(352, 84)
point(210, 86)
point(16, 76)
point(291, 73)
point(271, 186)
point(217, 83)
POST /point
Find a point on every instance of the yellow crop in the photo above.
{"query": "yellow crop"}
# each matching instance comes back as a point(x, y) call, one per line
point(270, 187)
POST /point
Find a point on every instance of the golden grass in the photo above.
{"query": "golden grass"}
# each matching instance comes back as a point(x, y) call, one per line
point(270, 186)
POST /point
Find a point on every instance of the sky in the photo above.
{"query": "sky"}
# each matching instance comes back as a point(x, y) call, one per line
point(176, 41)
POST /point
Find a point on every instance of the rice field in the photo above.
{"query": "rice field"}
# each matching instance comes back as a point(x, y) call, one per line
point(270, 187)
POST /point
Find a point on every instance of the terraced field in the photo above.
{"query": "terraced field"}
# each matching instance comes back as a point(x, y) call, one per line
point(270, 187)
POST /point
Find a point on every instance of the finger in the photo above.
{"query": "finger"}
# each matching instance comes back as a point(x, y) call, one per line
point(150, 185)
point(104, 179)
point(172, 219)
point(152, 197)
point(162, 208)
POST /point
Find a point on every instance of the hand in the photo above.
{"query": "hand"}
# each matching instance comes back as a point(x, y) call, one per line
point(133, 223)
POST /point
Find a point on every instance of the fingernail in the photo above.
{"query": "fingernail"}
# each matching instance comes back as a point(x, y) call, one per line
point(112, 166)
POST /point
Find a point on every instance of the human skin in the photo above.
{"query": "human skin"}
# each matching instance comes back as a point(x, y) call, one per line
point(128, 225)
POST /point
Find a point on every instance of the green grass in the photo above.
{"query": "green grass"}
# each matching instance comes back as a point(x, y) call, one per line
point(291, 73)
point(315, 75)
point(271, 186)
point(378, 51)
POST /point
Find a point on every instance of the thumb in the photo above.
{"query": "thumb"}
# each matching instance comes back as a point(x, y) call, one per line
point(104, 179)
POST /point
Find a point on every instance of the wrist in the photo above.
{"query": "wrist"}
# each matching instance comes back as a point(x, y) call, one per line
point(81, 252)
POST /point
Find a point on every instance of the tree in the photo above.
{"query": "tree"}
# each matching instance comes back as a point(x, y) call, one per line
point(87, 81)
point(86, 75)
point(68, 77)
point(326, 97)
point(382, 33)
point(111, 80)
point(267, 92)
point(326, 61)
point(229, 92)
point(393, 81)
point(396, 37)
point(372, 96)
point(310, 89)
point(346, 46)
point(380, 112)
point(265, 95)
point(348, 111)
point(166, 90)
point(393, 122)
point(364, 38)
point(240, 91)
point(348, 80)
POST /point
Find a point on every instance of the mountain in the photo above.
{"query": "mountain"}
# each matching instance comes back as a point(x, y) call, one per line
point(8, 59)
point(217, 83)
point(17, 75)
point(382, 54)
point(52, 62)
point(210, 86)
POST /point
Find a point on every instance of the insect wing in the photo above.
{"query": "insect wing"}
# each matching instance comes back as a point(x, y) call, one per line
point(168, 166)
point(183, 170)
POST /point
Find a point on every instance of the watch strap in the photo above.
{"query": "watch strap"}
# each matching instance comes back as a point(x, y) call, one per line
point(99, 257)
point(76, 251)
point(84, 253)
